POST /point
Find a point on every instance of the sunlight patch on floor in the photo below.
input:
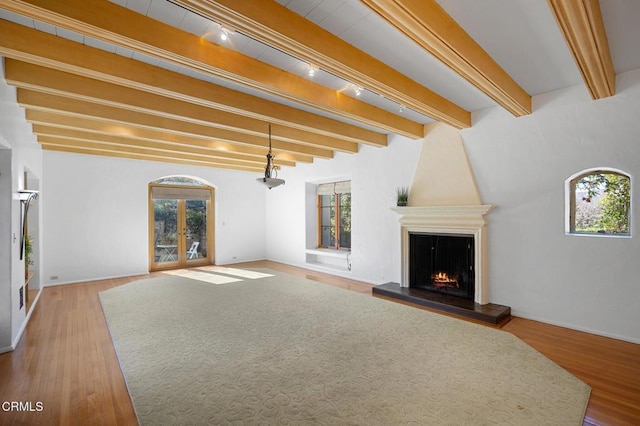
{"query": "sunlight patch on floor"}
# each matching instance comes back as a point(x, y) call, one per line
point(218, 274)
point(252, 275)
point(203, 276)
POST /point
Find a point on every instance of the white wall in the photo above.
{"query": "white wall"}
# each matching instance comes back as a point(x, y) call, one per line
point(375, 175)
point(521, 164)
point(96, 223)
point(6, 249)
point(20, 152)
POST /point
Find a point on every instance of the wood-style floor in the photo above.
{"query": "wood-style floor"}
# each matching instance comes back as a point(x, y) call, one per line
point(66, 362)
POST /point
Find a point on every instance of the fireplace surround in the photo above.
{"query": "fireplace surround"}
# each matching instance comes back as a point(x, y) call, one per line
point(462, 221)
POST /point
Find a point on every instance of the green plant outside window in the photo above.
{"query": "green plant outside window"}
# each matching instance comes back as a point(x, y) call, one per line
point(602, 202)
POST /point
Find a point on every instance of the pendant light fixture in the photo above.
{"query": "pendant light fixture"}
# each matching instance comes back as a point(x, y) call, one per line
point(270, 178)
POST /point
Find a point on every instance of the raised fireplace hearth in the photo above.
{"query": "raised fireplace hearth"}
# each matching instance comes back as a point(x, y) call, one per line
point(490, 313)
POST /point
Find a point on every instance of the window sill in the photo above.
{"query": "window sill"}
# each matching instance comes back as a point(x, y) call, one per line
point(586, 234)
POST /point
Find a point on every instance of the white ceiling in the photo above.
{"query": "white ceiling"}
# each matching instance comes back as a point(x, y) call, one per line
point(521, 35)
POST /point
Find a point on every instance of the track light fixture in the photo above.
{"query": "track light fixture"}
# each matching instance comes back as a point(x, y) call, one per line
point(225, 33)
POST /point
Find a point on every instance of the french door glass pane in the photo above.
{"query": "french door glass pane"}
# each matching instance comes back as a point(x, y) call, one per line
point(196, 229)
point(165, 230)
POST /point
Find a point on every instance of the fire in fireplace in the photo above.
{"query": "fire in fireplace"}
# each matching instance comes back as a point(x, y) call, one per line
point(442, 263)
point(441, 280)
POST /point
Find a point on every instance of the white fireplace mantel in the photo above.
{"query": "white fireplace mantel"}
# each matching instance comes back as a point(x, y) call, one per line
point(464, 220)
point(443, 211)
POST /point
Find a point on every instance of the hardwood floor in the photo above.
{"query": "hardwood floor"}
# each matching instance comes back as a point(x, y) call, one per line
point(611, 367)
point(66, 361)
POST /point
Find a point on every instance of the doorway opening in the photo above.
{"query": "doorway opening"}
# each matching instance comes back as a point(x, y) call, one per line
point(180, 223)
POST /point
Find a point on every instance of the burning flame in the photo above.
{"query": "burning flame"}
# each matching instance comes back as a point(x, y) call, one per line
point(441, 279)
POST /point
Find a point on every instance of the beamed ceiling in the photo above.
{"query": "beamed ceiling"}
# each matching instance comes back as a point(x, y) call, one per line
point(153, 80)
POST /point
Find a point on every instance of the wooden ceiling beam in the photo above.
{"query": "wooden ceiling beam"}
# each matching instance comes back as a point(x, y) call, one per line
point(47, 80)
point(114, 24)
point(73, 107)
point(37, 47)
point(427, 23)
point(106, 152)
point(53, 134)
point(275, 25)
point(581, 24)
point(44, 123)
point(115, 144)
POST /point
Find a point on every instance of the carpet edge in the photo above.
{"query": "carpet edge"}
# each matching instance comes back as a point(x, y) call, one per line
point(115, 350)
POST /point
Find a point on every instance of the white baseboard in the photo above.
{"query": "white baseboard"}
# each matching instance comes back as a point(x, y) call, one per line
point(84, 280)
point(334, 272)
point(23, 327)
point(7, 349)
point(236, 261)
point(328, 270)
point(16, 340)
point(577, 328)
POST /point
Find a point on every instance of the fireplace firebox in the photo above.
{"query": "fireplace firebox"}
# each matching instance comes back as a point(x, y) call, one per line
point(442, 263)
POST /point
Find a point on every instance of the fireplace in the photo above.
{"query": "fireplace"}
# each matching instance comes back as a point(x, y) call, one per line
point(442, 263)
point(465, 225)
point(445, 214)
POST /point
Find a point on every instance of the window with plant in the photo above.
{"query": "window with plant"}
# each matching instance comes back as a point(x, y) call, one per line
point(334, 215)
point(600, 203)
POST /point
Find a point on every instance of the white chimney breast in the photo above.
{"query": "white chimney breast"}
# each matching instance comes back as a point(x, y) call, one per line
point(443, 175)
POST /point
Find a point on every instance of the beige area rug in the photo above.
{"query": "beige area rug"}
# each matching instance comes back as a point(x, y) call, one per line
point(269, 348)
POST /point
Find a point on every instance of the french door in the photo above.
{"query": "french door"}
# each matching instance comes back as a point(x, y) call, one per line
point(180, 230)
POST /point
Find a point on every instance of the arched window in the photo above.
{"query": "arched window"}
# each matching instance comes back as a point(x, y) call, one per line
point(599, 203)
